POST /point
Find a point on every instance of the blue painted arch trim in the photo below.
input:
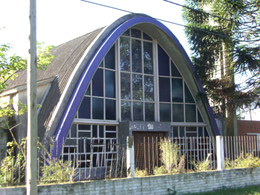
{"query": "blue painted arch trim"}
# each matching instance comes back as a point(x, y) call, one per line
point(85, 78)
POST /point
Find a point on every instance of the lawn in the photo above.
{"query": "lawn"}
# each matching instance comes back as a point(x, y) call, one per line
point(252, 190)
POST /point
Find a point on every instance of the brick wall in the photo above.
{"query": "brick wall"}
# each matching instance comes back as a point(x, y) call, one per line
point(244, 127)
point(181, 183)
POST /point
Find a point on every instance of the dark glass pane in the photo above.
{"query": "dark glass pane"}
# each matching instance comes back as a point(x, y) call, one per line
point(125, 86)
point(149, 112)
point(97, 108)
point(206, 132)
point(163, 62)
point(188, 96)
point(137, 87)
point(110, 135)
point(148, 88)
point(127, 33)
point(164, 89)
point(125, 110)
point(165, 112)
point(84, 134)
point(178, 113)
point(175, 132)
point(200, 131)
point(110, 58)
point(182, 132)
point(194, 129)
point(97, 83)
point(148, 58)
point(199, 117)
point(88, 90)
point(110, 83)
point(177, 90)
point(136, 56)
point(101, 131)
point(124, 54)
point(147, 37)
point(94, 131)
point(73, 131)
point(188, 134)
point(110, 110)
point(84, 109)
point(111, 128)
point(175, 71)
point(138, 111)
point(136, 33)
point(190, 113)
point(84, 127)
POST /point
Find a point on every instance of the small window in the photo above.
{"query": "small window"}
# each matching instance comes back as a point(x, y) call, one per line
point(164, 89)
point(175, 72)
point(163, 62)
point(138, 111)
point(165, 112)
point(84, 109)
point(110, 84)
point(124, 54)
point(177, 90)
point(147, 37)
point(190, 113)
point(136, 56)
point(97, 108)
point(136, 33)
point(178, 113)
point(110, 58)
point(97, 83)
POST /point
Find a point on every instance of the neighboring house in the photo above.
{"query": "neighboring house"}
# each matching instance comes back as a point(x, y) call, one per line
point(248, 127)
point(130, 78)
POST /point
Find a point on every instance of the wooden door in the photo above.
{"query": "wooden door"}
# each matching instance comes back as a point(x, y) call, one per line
point(147, 152)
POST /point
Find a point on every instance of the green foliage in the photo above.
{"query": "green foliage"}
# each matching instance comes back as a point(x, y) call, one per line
point(55, 170)
point(44, 56)
point(52, 170)
point(9, 66)
point(227, 36)
point(140, 173)
point(243, 161)
point(169, 154)
point(13, 166)
point(159, 170)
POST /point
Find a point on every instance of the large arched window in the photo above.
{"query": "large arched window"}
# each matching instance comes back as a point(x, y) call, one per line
point(135, 81)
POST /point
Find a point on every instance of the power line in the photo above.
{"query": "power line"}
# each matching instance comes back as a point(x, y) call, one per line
point(184, 6)
point(162, 20)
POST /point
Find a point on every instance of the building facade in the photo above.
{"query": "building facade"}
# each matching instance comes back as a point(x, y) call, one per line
point(131, 78)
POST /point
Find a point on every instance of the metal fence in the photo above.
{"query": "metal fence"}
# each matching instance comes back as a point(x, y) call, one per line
point(104, 158)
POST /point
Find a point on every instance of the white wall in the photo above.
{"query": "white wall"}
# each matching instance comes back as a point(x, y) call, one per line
point(181, 183)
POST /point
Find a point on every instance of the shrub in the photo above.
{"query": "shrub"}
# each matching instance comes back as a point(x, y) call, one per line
point(169, 154)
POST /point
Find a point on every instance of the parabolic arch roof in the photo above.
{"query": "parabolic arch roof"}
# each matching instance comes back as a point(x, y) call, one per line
point(76, 62)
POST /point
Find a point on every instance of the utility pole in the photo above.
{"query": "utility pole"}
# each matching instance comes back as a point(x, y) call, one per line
point(31, 164)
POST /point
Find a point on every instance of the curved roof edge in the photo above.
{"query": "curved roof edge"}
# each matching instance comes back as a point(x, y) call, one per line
point(90, 61)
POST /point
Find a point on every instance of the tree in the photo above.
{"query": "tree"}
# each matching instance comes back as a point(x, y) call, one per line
point(9, 68)
point(225, 42)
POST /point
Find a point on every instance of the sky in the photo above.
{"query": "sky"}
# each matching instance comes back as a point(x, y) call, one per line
point(59, 21)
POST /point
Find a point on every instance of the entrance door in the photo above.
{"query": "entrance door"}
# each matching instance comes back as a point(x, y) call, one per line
point(147, 152)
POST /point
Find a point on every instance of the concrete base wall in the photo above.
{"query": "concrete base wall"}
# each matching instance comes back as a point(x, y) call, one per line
point(166, 184)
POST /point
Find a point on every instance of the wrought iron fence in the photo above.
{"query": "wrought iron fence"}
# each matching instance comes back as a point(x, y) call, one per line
point(104, 158)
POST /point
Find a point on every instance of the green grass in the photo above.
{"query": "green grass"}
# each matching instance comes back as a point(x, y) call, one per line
point(252, 190)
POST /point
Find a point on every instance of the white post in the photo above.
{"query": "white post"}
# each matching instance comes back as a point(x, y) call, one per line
point(31, 165)
point(220, 152)
point(130, 157)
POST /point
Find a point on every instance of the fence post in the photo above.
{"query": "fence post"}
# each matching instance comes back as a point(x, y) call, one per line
point(130, 157)
point(220, 152)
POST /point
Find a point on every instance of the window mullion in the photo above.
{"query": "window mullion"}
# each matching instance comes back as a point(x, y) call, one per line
point(156, 81)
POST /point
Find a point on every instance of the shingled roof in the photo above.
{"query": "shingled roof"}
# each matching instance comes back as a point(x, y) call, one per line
point(67, 55)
